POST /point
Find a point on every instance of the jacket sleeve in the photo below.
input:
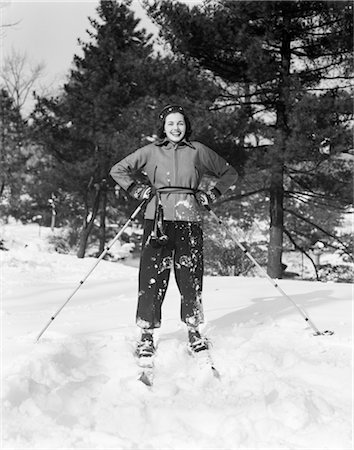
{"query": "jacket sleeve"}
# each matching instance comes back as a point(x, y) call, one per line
point(213, 164)
point(122, 172)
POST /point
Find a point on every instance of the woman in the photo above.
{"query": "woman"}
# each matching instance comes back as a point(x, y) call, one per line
point(173, 235)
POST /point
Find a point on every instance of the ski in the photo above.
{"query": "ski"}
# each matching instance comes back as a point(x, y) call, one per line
point(145, 352)
point(199, 348)
point(204, 359)
point(146, 374)
point(147, 377)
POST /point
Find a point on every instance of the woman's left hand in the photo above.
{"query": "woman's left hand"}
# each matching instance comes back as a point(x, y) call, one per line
point(207, 198)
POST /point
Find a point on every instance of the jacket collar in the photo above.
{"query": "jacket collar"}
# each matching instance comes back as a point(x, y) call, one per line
point(164, 142)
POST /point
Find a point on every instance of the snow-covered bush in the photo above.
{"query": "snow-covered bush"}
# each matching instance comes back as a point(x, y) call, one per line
point(340, 273)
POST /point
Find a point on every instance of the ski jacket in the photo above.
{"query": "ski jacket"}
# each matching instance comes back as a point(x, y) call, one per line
point(172, 165)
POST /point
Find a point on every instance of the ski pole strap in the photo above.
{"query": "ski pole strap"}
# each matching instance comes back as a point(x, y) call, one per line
point(158, 219)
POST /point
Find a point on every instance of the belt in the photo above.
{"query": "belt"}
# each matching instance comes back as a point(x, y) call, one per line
point(175, 190)
point(158, 231)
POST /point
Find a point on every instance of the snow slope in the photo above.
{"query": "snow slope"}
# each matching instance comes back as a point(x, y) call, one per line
point(77, 388)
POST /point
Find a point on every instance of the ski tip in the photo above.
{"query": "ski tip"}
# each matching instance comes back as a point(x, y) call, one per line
point(216, 373)
point(146, 379)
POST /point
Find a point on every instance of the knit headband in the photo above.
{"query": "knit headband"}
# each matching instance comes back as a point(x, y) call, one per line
point(170, 109)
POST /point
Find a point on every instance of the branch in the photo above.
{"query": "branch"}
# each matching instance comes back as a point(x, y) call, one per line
point(239, 196)
point(295, 51)
point(318, 69)
point(258, 91)
point(235, 103)
point(258, 147)
point(329, 89)
point(302, 250)
point(320, 26)
point(334, 247)
point(337, 78)
point(299, 196)
point(19, 77)
point(309, 190)
point(310, 171)
point(327, 233)
point(318, 195)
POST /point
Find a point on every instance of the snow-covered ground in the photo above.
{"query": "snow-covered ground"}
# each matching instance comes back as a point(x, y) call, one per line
point(77, 388)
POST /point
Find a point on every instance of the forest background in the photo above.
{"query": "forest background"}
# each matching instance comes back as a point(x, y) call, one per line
point(268, 85)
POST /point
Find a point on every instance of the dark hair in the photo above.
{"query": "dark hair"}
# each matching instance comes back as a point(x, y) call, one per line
point(168, 110)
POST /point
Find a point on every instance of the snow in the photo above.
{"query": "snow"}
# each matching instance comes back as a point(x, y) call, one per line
point(77, 388)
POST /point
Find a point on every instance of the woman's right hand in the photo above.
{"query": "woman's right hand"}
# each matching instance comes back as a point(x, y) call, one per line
point(140, 191)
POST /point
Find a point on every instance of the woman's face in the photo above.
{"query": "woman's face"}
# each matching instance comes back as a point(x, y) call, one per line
point(175, 127)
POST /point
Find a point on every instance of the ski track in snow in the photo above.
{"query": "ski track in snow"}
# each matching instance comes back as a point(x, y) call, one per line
point(77, 388)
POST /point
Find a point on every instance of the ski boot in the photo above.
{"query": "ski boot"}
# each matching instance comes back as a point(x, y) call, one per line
point(146, 348)
point(197, 343)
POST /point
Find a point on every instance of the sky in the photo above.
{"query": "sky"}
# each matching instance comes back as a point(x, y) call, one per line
point(48, 32)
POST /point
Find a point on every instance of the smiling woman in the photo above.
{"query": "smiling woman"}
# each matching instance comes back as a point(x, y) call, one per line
point(173, 235)
point(174, 124)
point(175, 127)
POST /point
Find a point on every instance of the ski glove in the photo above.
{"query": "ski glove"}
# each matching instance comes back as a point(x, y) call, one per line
point(140, 191)
point(207, 198)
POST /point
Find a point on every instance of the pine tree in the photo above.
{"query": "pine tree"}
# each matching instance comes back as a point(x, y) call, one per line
point(12, 157)
point(83, 126)
point(109, 107)
point(272, 57)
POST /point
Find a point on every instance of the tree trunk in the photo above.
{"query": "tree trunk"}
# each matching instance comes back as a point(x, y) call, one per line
point(87, 227)
point(103, 221)
point(276, 189)
point(275, 248)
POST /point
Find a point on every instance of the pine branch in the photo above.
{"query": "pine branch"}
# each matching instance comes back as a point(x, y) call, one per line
point(240, 196)
point(314, 194)
point(309, 190)
point(257, 147)
point(335, 247)
point(311, 171)
point(259, 111)
point(318, 195)
point(312, 201)
point(337, 78)
point(302, 250)
point(325, 205)
point(296, 51)
point(321, 26)
point(235, 103)
point(321, 35)
point(329, 88)
point(236, 95)
point(318, 69)
point(327, 233)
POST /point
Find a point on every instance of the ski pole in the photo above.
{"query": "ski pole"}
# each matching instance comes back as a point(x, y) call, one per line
point(274, 283)
point(102, 255)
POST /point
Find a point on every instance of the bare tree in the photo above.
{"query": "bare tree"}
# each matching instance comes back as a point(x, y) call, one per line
point(3, 24)
point(19, 76)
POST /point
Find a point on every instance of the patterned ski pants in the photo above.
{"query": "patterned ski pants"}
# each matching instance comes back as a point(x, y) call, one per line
point(183, 252)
